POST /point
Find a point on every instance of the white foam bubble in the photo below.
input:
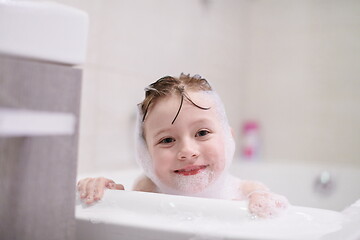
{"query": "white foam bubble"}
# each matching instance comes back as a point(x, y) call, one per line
point(194, 183)
point(268, 205)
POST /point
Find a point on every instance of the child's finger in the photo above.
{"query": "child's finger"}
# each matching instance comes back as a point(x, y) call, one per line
point(82, 187)
point(99, 188)
point(90, 187)
point(119, 187)
point(112, 185)
point(109, 183)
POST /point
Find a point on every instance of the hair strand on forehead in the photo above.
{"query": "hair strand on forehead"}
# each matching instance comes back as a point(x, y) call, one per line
point(183, 94)
point(181, 103)
point(166, 86)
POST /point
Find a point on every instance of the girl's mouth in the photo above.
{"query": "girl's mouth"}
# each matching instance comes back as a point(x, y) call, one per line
point(190, 170)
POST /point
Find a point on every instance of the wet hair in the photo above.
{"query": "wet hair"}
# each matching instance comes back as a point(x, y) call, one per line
point(168, 85)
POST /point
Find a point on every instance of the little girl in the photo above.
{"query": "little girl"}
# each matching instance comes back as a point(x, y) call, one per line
point(185, 146)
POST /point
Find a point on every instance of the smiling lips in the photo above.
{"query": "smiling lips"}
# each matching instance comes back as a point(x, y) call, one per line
point(191, 170)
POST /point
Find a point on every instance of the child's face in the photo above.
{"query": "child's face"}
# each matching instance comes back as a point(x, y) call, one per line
point(189, 154)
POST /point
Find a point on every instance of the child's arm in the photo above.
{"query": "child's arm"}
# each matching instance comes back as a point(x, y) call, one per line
point(144, 184)
point(92, 189)
point(263, 202)
point(248, 187)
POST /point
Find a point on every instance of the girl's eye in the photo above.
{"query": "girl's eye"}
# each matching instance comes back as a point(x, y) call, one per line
point(202, 133)
point(167, 140)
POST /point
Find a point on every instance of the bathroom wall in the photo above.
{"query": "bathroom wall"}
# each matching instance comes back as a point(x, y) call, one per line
point(302, 79)
point(291, 65)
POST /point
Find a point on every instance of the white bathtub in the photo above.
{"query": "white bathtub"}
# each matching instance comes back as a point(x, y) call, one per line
point(136, 215)
point(300, 183)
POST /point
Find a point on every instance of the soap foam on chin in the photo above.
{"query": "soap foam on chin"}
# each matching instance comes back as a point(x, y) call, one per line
point(193, 183)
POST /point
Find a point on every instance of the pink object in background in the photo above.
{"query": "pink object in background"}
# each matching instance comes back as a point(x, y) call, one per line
point(250, 140)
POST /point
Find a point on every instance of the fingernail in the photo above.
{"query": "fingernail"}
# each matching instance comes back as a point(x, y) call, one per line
point(89, 200)
point(83, 195)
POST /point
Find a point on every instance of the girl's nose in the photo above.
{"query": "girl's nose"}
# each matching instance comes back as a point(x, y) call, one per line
point(187, 151)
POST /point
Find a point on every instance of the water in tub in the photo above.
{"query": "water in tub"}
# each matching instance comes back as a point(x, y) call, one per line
point(140, 215)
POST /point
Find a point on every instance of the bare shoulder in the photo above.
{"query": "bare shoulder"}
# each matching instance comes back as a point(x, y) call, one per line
point(248, 186)
point(144, 184)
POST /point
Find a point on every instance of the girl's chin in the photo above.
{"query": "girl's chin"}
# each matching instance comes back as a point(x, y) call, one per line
point(192, 184)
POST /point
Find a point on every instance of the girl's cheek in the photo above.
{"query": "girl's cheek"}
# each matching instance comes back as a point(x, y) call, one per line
point(162, 159)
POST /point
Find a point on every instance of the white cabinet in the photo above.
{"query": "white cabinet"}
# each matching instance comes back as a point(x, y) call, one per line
point(39, 111)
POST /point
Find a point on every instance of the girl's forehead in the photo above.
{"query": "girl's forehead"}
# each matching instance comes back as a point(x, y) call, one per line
point(165, 109)
point(171, 104)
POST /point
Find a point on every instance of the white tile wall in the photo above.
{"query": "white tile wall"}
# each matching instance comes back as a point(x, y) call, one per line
point(291, 65)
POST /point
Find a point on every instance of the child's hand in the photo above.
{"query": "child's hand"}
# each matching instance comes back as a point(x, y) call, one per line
point(266, 204)
point(92, 189)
